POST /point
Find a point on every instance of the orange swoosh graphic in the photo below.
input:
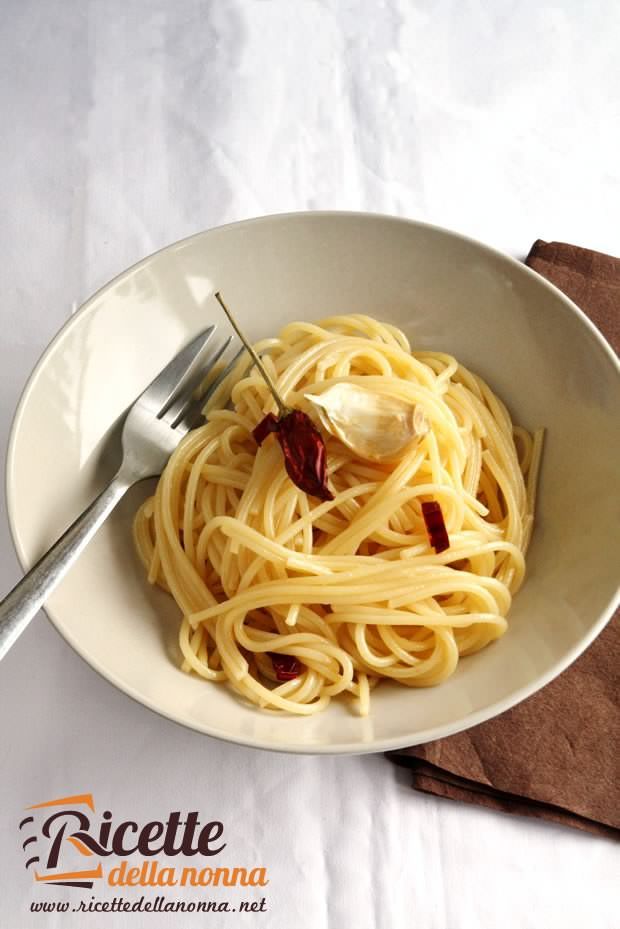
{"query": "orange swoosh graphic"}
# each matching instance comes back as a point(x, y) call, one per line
point(79, 845)
point(68, 875)
point(64, 801)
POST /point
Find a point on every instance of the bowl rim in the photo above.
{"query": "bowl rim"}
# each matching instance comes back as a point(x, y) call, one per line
point(349, 748)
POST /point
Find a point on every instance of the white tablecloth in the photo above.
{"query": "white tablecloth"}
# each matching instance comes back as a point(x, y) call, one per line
point(127, 124)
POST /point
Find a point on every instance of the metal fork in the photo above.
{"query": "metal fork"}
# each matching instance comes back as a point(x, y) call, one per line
point(153, 427)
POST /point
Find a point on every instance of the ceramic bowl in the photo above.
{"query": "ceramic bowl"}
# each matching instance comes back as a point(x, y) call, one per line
point(535, 348)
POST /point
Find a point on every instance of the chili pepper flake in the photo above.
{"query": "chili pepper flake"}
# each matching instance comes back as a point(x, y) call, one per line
point(287, 667)
point(435, 526)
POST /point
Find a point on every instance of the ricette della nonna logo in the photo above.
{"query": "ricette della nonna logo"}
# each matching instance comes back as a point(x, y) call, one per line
point(67, 842)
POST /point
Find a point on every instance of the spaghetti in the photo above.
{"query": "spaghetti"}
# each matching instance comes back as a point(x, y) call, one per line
point(348, 591)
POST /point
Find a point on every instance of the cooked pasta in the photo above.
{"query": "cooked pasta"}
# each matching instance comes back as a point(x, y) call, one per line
point(351, 587)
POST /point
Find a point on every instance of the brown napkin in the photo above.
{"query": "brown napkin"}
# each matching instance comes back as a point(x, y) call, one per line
point(570, 772)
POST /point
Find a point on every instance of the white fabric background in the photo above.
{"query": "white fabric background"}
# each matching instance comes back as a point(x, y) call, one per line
point(127, 124)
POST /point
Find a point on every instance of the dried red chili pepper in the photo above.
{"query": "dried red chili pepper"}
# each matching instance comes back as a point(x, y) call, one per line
point(301, 442)
point(303, 448)
point(287, 667)
point(435, 526)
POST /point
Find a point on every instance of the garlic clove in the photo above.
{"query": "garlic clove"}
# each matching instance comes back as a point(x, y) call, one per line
point(373, 425)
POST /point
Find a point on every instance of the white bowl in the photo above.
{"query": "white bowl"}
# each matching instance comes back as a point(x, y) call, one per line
point(536, 349)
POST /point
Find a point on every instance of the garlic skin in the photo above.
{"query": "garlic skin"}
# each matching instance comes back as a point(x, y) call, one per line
point(374, 426)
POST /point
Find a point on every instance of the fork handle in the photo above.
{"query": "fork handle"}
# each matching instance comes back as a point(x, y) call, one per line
point(26, 598)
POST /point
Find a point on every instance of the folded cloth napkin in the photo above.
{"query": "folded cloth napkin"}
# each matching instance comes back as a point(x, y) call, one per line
point(570, 772)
